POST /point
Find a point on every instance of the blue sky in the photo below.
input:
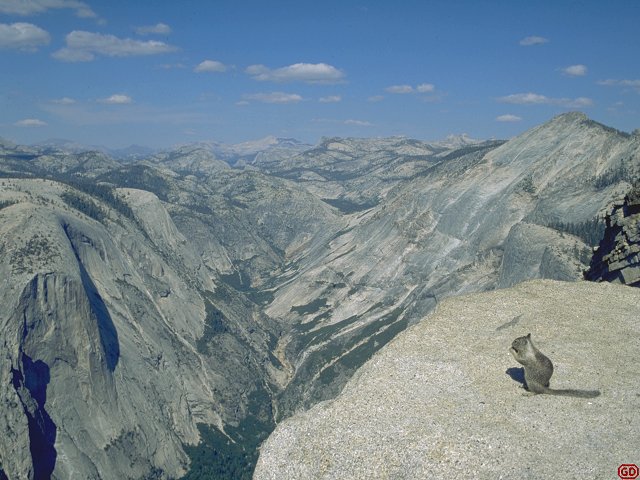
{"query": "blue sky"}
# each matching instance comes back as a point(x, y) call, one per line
point(160, 73)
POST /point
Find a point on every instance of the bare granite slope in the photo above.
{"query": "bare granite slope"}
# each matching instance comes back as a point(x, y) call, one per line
point(442, 400)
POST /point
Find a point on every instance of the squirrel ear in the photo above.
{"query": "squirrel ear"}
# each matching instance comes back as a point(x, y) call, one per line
point(528, 335)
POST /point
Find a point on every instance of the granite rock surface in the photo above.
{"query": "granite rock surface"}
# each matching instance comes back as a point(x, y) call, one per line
point(444, 399)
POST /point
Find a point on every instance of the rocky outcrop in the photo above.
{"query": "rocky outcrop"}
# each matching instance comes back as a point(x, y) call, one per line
point(534, 251)
point(617, 258)
point(444, 399)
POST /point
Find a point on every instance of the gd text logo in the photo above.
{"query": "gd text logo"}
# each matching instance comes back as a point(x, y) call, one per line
point(628, 471)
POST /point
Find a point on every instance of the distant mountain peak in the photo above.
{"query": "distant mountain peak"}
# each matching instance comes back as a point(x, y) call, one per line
point(458, 140)
point(573, 116)
point(5, 142)
point(580, 120)
point(254, 146)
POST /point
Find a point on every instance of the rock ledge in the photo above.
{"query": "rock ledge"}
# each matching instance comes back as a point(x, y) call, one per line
point(440, 401)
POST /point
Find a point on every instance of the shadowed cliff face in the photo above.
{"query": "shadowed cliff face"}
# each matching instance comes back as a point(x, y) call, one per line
point(617, 258)
point(30, 383)
point(182, 306)
point(106, 328)
point(56, 327)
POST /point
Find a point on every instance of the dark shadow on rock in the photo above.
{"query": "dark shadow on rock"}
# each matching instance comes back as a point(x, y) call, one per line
point(512, 323)
point(517, 374)
point(106, 328)
point(34, 378)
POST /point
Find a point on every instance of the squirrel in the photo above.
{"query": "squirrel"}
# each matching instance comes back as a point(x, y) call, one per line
point(538, 370)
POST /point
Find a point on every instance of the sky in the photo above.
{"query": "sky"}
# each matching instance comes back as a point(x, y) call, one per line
point(161, 73)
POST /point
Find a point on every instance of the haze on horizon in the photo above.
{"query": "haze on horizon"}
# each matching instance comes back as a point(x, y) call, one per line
point(165, 73)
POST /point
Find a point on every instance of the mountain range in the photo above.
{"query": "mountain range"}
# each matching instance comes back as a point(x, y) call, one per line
point(233, 153)
point(162, 314)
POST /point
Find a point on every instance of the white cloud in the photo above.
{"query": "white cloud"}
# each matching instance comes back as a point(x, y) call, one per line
point(407, 89)
point(31, 7)
point(84, 46)
point(330, 99)
point(615, 108)
point(358, 123)
point(72, 55)
point(273, 97)
point(64, 101)
point(375, 98)
point(425, 88)
point(508, 118)
point(400, 89)
point(575, 103)
point(635, 84)
point(30, 122)
point(299, 72)
point(537, 99)
point(352, 122)
point(169, 66)
point(575, 70)
point(622, 83)
point(93, 113)
point(256, 70)
point(157, 29)
point(23, 36)
point(525, 99)
point(210, 66)
point(117, 99)
point(533, 40)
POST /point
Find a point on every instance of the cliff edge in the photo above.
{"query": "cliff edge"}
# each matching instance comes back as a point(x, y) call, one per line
point(445, 400)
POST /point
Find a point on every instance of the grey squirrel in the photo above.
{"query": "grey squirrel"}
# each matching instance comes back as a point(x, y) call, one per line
point(538, 369)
